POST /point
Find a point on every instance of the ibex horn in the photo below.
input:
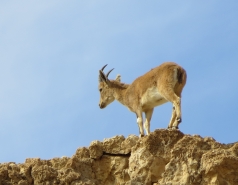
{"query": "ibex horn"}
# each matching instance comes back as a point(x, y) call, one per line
point(109, 72)
point(103, 67)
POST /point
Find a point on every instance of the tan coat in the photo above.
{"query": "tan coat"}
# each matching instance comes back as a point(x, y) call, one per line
point(158, 86)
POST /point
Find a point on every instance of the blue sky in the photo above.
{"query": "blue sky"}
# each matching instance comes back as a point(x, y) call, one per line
point(51, 51)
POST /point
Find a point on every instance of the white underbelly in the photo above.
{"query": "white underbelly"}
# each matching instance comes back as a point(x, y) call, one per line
point(152, 98)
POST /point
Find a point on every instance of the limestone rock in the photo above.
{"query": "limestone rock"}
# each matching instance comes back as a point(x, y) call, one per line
point(119, 145)
point(96, 149)
point(162, 158)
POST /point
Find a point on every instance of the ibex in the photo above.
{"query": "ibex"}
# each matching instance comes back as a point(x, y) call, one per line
point(158, 86)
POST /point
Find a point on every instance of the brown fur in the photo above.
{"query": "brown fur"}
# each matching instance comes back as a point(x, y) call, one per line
point(160, 85)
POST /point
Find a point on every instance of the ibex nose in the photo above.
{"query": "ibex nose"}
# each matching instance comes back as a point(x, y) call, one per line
point(101, 105)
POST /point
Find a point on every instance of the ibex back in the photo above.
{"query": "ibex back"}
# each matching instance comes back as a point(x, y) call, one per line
point(158, 86)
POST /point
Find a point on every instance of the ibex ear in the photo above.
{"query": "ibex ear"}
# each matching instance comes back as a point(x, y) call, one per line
point(118, 78)
point(103, 78)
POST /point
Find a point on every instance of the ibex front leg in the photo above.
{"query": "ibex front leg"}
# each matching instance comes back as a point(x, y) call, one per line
point(148, 115)
point(140, 122)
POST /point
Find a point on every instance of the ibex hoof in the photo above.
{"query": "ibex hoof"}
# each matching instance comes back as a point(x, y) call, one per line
point(142, 135)
point(175, 128)
point(179, 120)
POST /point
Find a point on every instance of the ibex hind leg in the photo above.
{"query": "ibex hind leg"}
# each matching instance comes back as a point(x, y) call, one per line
point(176, 114)
point(170, 126)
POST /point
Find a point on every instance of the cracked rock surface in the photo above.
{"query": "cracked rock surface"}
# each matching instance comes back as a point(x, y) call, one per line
point(163, 158)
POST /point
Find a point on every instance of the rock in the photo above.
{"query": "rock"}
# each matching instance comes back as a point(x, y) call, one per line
point(119, 145)
point(96, 149)
point(113, 145)
point(162, 158)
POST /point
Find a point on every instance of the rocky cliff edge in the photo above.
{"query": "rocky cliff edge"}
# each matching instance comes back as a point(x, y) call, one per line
point(162, 158)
